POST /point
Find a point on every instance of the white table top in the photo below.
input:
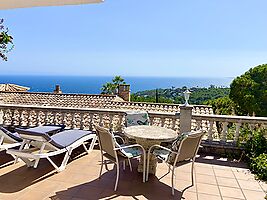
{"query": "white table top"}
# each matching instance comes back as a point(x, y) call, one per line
point(146, 132)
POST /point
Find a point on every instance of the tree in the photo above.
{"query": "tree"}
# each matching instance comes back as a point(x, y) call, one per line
point(117, 80)
point(249, 92)
point(6, 41)
point(222, 106)
point(112, 87)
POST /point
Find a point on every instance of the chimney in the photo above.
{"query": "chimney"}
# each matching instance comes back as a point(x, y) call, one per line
point(124, 92)
point(57, 90)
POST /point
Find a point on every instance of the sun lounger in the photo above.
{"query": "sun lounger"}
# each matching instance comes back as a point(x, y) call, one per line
point(45, 146)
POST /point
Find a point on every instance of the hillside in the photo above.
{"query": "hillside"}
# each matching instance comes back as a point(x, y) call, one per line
point(175, 95)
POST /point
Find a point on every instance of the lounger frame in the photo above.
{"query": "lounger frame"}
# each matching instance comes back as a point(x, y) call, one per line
point(32, 156)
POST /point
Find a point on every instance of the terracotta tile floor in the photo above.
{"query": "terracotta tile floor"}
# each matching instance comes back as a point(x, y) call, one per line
point(215, 179)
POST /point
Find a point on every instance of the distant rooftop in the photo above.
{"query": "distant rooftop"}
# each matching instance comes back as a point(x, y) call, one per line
point(13, 88)
point(100, 101)
point(58, 100)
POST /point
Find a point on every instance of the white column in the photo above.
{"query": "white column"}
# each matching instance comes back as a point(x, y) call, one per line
point(185, 118)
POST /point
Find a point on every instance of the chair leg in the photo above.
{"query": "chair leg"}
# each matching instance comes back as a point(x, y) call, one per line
point(102, 163)
point(117, 178)
point(144, 170)
point(123, 165)
point(147, 167)
point(192, 172)
point(173, 168)
point(130, 164)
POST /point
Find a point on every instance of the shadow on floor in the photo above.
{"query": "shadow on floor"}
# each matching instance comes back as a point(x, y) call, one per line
point(130, 185)
point(23, 177)
point(5, 159)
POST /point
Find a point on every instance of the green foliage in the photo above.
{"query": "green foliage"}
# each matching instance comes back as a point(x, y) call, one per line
point(249, 91)
point(151, 99)
point(256, 151)
point(257, 144)
point(111, 87)
point(202, 95)
point(222, 106)
point(259, 166)
point(6, 41)
point(175, 95)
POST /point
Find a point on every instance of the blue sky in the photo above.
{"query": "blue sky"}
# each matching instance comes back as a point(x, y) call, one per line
point(139, 38)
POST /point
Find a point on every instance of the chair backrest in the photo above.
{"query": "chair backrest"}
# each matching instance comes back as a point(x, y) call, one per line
point(106, 141)
point(38, 139)
point(134, 118)
point(189, 146)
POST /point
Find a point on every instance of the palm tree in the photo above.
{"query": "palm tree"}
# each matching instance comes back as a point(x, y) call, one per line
point(111, 88)
point(108, 88)
point(117, 80)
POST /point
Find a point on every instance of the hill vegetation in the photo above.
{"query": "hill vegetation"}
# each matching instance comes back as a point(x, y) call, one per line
point(175, 95)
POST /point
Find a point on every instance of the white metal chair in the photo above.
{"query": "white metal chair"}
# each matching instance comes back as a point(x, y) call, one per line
point(116, 153)
point(41, 145)
point(183, 151)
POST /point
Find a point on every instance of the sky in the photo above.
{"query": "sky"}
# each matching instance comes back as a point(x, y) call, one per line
point(139, 38)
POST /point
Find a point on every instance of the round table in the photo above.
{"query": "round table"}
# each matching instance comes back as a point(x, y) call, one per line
point(148, 136)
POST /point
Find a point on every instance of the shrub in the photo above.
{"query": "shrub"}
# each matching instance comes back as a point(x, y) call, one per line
point(256, 151)
point(258, 165)
point(257, 144)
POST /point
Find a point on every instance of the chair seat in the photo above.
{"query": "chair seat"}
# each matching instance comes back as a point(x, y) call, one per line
point(130, 152)
point(120, 158)
point(161, 154)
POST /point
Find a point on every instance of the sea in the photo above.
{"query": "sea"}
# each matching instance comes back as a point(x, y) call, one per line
point(93, 84)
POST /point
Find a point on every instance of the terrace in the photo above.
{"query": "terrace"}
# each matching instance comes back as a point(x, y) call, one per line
point(215, 177)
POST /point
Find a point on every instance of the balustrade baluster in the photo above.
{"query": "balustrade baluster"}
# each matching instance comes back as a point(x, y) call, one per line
point(237, 132)
point(120, 125)
point(173, 123)
point(72, 120)
point(20, 117)
point(162, 121)
point(12, 117)
point(82, 121)
point(54, 117)
point(46, 117)
point(111, 116)
point(210, 131)
point(38, 118)
point(224, 132)
point(91, 120)
point(198, 122)
point(100, 119)
point(151, 119)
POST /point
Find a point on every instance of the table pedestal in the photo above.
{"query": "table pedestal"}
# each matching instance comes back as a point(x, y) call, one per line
point(152, 159)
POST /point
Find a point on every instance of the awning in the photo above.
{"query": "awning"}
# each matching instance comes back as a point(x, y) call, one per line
point(10, 4)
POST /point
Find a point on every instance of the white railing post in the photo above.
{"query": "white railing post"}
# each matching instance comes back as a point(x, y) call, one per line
point(185, 118)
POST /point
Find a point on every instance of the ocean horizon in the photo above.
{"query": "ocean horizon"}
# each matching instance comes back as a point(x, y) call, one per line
point(93, 84)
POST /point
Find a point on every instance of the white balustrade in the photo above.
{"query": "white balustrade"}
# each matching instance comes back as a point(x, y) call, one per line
point(220, 129)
